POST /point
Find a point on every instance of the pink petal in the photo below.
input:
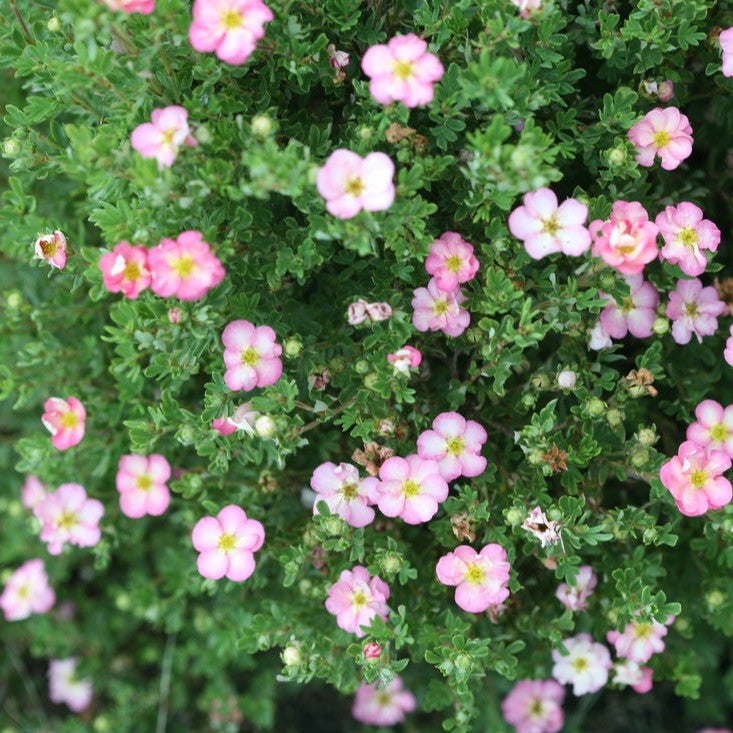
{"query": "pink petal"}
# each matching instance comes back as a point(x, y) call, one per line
point(241, 565)
point(213, 564)
point(206, 534)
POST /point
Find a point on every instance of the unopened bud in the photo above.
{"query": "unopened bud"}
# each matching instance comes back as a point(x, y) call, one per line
point(715, 599)
point(616, 156)
point(595, 407)
point(291, 656)
point(262, 125)
point(614, 417)
point(53, 24)
point(372, 650)
point(265, 426)
point(293, 347)
point(647, 436)
point(660, 326)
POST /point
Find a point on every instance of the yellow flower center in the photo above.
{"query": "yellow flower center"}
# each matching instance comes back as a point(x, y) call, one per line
point(627, 305)
point(643, 631)
point(24, 591)
point(69, 420)
point(144, 482)
point(453, 263)
point(183, 266)
point(536, 708)
point(410, 488)
point(688, 237)
point(169, 135)
point(131, 271)
point(355, 186)
point(67, 520)
point(661, 139)
point(250, 356)
point(403, 69)
point(49, 248)
point(550, 225)
point(227, 542)
point(719, 433)
point(580, 663)
point(698, 478)
point(474, 574)
point(454, 446)
point(359, 598)
point(350, 491)
point(691, 309)
point(440, 307)
point(231, 20)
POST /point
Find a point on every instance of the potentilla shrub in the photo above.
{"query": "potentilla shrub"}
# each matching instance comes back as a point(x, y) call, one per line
point(366, 363)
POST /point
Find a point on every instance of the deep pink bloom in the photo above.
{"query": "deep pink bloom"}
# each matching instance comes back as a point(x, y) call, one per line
point(627, 240)
point(145, 7)
point(69, 515)
point(350, 183)
point(125, 269)
point(64, 419)
point(686, 236)
point(627, 672)
point(142, 487)
point(451, 261)
point(726, 44)
point(636, 313)
point(585, 667)
point(535, 706)
point(575, 597)
point(223, 425)
point(227, 543)
point(52, 248)
point(251, 356)
point(64, 685)
point(404, 359)
point(33, 492)
point(663, 132)
point(345, 493)
point(481, 577)
point(27, 591)
point(435, 309)
point(403, 70)
point(545, 227)
point(693, 478)
point(382, 706)
point(694, 309)
point(639, 640)
point(163, 136)
point(356, 598)
point(713, 428)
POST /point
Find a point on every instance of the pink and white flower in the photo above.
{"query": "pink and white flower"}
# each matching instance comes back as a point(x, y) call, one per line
point(713, 428)
point(535, 706)
point(686, 236)
point(144, 7)
point(728, 351)
point(65, 687)
point(227, 543)
point(663, 132)
point(585, 666)
point(52, 248)
point(382, 706)
point(575, 597)
point(345, 493)
point(726, 44)
point(546, 530)
point(639, 640)
point(33, 492)
point(338, 59)
point(27, 591)
point(435, 309)
point(223, 425)
point(528, 7)
point(694, 309)
point(163, 135)
point(630, 673)
point(125, 269)
point(251, 356)
point(64, 419)
point(636, 313)
point(404, 359)
point(356, 598)
point(142, 487)
point(451, 261)
point(378, 311)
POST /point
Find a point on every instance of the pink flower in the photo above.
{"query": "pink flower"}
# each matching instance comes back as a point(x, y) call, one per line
point(52, 248)
point(546, 530)
point(411, 488)
point(227, 543)
point(636, 313)
point(378, 311)
point(251, 356)
point(575, 597)
point(174, 314)
point(481, 577)
point(163, 136)
point(64, 686)
point(627, 672)
point(223, 425)
point(451, 261)
point(535, 706)
point(728, 351)
point(545, 227)
point(350, 183)
point(125, 269)
point(434, 310)
point(694, 309)
point(372, 650)
point(32, 493)
point(686, 234)
point(726, 44)
point(230, 28)
point(145, 7)
point(665, 93)
point(27, 592)
point(338, 59)
point(639, 640)
point(714, 427)
point(142, 487)
point(455, 443)
point(585, 666)
point(357, 312)
point(693, 478)
point(404, 359)
point(345, 493)
point(64, 419)
point(382, 706)
point(627, 240)
point(663, 132)
point(68, 515)
point(402, 70)
point(528, 7)
point(356, 598)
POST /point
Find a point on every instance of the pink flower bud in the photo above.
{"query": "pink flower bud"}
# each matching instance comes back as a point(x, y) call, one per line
point(372, 650)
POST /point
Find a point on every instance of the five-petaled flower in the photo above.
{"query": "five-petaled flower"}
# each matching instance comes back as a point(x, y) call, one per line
point(382, 706)
point(585, 666)
point(141, 483)
point(65, 686)
point(52, 249)
point(65, 420)
point(125, 269)
point(435, 309)
point(404, 359)
point(451, 261)
point(251, 356)
point(356, 598)
point(345, 492)
point(575, 596)
point(636, 312)
point(713, 428)
point(27, 591)
point(639, 640)
point(663, 132)
point(535, 706)
point(686, 235)
point(163, 135)
point(694, 309)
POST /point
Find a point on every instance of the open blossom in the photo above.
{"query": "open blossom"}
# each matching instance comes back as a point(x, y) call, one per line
point(350, 183)
point(251, 356)
point(686, 235)
point(451, 261)
point(64, 419)
point(713, 428)
point(535, 706)
point(639, 640)
point(627, 672)
point(163, 135)
point(635, 314)
point(545, 227)
point(69, 515)
point(230, 28)
point(528, 7)
point(125, 269)
point(726, 44)
point(546, 530)
point(435, 309)
point(575, 597)
point(402, 70)
point(33, 492)
point(411, 488)
point(404, 359)
point(185, 267)
point(64, 685)
point(627, 240)
point(142, 487)
point(345, 493)
point(585, 667)
point(663, 132)
point(227, 543)
point(223, 425)
point(52, 248)
point(693, 478)
point(27, 592)
point(382, 706)
point(481, 577)
point(694, 309)
point(356, 598)
point(728, 351)
point(145, 7)
point(455, 443)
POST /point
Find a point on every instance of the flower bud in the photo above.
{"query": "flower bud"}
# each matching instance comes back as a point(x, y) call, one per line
point(262, 125)
point(370, 380)
point(365, 133)
point(715, 599)
point(515, 516)
point(566, 379)
point(647, 436)
point(265, 426)
point(660, 326)
point(372, 650)
point(616, 156)
point(291, 655)
point(293, 347)
point(174, 315)
point(391, 563)
point(640, 457)
point(614, 417)
point(595, 407)
point(53, 24)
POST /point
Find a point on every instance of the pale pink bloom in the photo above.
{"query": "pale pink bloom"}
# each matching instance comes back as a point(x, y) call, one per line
point(145, 7)
point(535, 706)
point(357, 312)
point(713, 428)
point(64, 419)
point(455, 443)
point(378, 311)
point(404, 359)
point(481, 577)
point(230, 28)
point(627, 240)
point(125, 269)
point(639, 640)
point(52, 248)
point(403, 70)
point(345, 493)
point(27, 592)
point(686, 234)
point(451, 261)
point(663, 132)
point(726, 44)
point(227, 543)
point(350, 183)
point(338, 59)
point(185, 267)
point(545, 227)
point(69, 515)
point(693, 478)
point(546, 530)
point(528, 7)
point(356, 598)
point(411, 488)
point(728, 351)
point(372, 650)
point(635, 314)
point(598, 338)
point(627, 672)
point(142, 487)
point(33, 492)
point(435, 309)
point(251, 356)
point(575, 597)
point(694, 309)
point(665, 93)
point(163, 135)
point(64, 686)
point(223, 425)
point(567, 379)
point(382, 706)
point(585, 667)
